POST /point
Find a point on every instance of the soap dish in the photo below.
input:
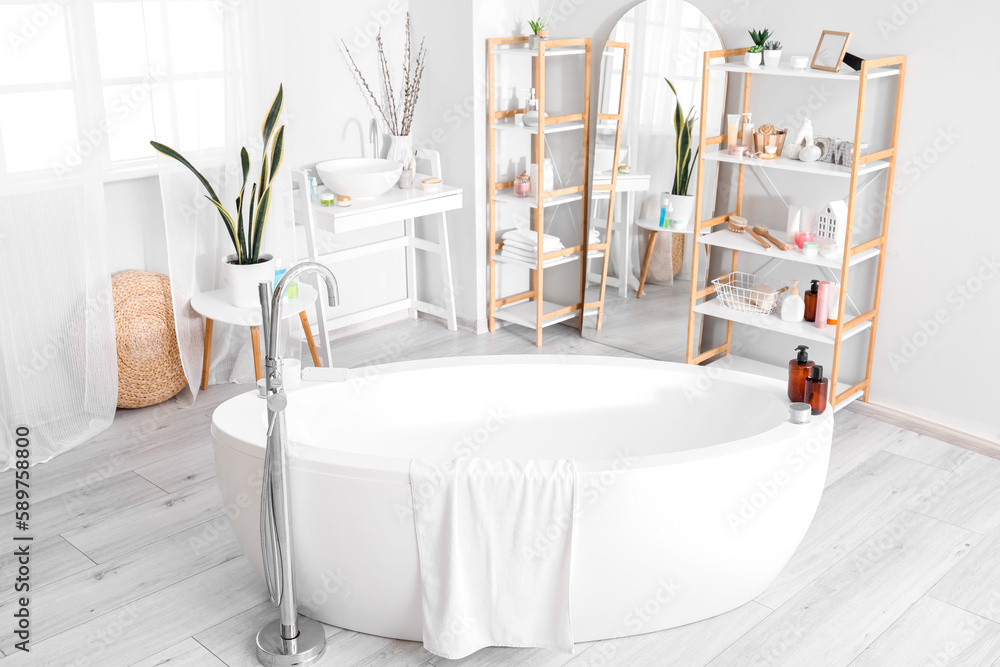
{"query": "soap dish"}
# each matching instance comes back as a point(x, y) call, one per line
point(430, 184)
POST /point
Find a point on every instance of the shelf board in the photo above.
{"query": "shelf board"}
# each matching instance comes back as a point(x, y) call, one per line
point(507, 195)
point(785, 164)
point(763, 369)
point(744, 243)
point(524, 313)
point(784, 69)
point(550, 128)
point(565, 259)
point(801, 330)
point(524, 50)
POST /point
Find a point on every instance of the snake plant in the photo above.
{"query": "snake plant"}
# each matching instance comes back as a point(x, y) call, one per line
point(684, 129)
point(246, 239)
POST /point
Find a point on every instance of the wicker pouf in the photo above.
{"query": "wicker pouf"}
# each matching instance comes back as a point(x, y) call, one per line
point(149, 363)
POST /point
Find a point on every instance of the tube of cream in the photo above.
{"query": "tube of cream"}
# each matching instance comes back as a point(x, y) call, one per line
point(822, 304)
point(732, 129)
point(834, 308)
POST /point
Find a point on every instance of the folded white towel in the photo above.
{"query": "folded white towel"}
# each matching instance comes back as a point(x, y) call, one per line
point(517, 253)
point(531, 238)
point(485, 578)
point(530, 248)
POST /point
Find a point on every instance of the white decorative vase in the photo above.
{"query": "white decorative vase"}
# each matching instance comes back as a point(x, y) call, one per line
point(679, 210)
point(400, 149)
point(772, 58)
point(242, 279)
point(751, 59)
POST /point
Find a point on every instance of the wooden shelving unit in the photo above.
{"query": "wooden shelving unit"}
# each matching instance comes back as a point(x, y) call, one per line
point(530, 309)
point(875, 248)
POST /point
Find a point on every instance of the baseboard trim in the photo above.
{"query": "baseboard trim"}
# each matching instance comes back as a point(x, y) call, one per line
point(926, 427)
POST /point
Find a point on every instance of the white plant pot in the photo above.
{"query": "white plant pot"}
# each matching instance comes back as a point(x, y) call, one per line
point(751, 59)
point(679, 210)
point(772, 58)
point(242, 279)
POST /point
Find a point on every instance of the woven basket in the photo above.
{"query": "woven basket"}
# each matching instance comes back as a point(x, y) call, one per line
point(149, 362)
point(677, 252)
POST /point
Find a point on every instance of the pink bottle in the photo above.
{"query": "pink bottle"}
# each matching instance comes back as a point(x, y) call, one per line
point(822, 303)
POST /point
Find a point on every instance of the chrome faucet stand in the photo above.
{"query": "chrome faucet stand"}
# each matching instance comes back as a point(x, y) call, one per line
point(290, 639)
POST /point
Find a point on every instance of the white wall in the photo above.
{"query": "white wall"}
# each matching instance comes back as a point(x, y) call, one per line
point(451, 118)
point(941, 288)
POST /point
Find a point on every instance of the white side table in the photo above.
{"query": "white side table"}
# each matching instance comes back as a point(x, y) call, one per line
point(653, 225)
point(215, 306)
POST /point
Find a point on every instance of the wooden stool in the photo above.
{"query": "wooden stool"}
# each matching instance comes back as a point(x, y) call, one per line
point(215, 307)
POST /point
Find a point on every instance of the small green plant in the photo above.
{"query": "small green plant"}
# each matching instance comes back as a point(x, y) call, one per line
point(684, 129)
point(246, 243)
point(536, 25)
point(759, 39)
point(756, 48)
point(772, 45)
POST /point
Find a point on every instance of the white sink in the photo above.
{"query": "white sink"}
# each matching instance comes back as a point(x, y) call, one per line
point(359, 177)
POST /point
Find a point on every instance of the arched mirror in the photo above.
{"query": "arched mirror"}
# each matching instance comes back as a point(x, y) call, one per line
point(665, 40)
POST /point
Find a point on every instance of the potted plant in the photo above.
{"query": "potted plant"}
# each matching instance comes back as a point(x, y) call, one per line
point(680, 205)
point(772, 53)
point(752, 57)
point(397, 114)
point(247, 267)
point(538, 28)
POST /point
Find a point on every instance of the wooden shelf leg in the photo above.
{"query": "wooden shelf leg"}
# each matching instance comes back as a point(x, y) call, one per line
point(645, 263)
point(304, 317)
point(207, 359)
point(255, 339)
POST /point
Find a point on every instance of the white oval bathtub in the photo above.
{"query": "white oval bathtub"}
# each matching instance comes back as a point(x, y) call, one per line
point(696, 488)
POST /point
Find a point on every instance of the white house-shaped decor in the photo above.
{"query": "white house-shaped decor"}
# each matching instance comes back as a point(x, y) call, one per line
point(831, 224)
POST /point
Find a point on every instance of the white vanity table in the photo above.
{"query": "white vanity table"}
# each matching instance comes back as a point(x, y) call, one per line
point(394, 206)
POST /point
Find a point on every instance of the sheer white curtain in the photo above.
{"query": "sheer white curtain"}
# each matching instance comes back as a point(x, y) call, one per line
point(58, 363)
point(211, 108)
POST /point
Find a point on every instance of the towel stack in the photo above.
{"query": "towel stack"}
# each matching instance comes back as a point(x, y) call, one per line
point(523, 244)
point(595, 236)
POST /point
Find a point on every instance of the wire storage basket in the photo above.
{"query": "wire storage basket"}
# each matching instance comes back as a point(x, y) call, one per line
point(746, 293)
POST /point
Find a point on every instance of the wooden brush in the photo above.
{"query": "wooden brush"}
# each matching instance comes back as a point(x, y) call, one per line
point(739, 225)
point(762, 230)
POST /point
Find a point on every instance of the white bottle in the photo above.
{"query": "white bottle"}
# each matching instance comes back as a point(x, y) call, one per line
point(748, 131)
point(793, 308)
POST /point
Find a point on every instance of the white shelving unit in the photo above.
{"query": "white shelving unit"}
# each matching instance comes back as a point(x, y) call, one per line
point(848, 326)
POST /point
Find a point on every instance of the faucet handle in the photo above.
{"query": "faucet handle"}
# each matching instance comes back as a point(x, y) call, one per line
point(277, 402)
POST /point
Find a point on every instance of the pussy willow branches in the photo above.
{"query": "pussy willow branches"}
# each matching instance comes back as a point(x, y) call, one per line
point(396, 113)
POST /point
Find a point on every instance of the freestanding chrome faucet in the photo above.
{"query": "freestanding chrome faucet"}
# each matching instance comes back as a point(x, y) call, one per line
point(289, 640)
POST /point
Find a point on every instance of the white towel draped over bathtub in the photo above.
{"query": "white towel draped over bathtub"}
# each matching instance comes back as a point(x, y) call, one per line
point(495, 540)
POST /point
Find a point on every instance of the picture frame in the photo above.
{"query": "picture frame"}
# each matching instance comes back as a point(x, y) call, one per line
point(830, 50)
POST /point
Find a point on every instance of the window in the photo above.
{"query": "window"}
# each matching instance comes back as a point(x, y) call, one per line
point(77, 80)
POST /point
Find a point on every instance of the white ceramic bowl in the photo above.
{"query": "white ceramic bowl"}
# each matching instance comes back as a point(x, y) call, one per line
point(359, 177)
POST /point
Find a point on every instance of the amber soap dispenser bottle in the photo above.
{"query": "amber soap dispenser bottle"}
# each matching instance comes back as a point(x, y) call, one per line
point(798, 371)
point(817, 388)
point(809, 299)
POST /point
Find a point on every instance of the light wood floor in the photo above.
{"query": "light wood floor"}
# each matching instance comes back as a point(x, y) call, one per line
point(134, 563)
